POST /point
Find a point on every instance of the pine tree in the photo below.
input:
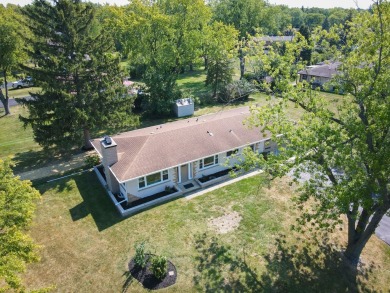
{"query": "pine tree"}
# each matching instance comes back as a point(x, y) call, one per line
point(79, 74)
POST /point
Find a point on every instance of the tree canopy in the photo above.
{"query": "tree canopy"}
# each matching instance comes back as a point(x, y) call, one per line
point(17, 205)
point(345, 148)
point(11, 47)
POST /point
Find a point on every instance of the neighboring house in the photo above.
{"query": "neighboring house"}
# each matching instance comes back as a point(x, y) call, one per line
point(144, 162)
point(272, 39)
point(320, 73)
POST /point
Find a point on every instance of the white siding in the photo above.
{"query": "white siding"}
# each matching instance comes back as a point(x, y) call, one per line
point(132, 186)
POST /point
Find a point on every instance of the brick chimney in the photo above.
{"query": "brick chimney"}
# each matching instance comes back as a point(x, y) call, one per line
point(110, 157)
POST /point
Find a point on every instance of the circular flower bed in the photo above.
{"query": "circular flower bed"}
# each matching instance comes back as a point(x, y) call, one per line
point(148, 280)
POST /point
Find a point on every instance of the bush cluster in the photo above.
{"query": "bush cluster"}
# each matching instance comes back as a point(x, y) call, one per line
point(158, 263)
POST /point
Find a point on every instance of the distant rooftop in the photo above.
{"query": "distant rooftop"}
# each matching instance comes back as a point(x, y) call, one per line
point(322, 69)
point(271, 39)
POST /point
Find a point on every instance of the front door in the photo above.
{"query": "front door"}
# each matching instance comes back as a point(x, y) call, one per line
point(184, 173)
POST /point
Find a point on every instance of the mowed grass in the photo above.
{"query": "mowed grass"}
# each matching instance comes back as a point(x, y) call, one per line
point(86, 246)
point(194, 84)
point(21, 93)
point(14, 138)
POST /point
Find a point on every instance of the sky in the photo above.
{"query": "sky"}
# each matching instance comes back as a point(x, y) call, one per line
point(364, 4)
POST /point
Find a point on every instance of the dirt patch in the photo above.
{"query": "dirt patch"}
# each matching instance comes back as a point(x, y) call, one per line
point(226, 223)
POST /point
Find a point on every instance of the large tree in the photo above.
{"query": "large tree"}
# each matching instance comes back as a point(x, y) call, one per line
point(220, 51)
point(346, 151)
point(11, 48)
point(79, 73)
point(17, 205)
point(162, 38)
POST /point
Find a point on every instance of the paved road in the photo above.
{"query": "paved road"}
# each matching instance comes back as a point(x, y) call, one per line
point(12, 102)
point(9, 85)
point(383, 230)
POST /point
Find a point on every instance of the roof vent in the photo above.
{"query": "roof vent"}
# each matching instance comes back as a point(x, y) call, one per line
point(107, 140)
point(210, 133)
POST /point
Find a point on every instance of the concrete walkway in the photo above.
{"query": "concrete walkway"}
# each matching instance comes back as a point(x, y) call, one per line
point(59, 168)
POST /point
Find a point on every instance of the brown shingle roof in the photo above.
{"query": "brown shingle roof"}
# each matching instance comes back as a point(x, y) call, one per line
point(148, 150)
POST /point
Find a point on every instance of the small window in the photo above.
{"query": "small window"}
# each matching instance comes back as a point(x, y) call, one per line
point(153, 178)
point(141, 182)
point(165, 175)
point(253, 147)
point(216, 159)
point(230, 153)
point(267, 144)
point(201, 164)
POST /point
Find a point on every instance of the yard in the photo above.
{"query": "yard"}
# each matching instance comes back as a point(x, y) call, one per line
point(86, 246)
point(17, 142)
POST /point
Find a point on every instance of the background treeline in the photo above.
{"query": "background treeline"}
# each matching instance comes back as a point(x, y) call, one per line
point(156, 42)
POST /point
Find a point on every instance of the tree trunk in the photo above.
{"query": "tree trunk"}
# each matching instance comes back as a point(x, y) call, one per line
point(206, 62)
point(360, 238)
point(242, 64)
point(87, 138)
point(5, 99)
point(191, 67)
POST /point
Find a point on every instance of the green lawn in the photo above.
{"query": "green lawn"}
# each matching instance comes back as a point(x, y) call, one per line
point(23, 92)
point(13, 137)
point(86, 246)
point(17, 142)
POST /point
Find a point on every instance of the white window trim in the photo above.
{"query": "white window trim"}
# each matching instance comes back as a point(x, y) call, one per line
point(154, 184)
point(210, 166)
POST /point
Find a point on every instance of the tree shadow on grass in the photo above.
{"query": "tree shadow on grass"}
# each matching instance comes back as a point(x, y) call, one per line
point(95, 202)
point(219, 270)
point(129, 279)
point(39, 158)
point(313, 267)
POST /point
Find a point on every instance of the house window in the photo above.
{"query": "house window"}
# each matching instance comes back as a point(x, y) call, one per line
point(165, 175)
point(267, 145)
point(152, 179)
point(122, 190)
point(230, 153)
point(208, 162)
point(141, 182)
point(253, 147)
